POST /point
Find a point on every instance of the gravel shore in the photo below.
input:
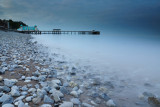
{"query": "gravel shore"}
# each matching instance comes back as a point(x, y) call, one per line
point(31, 78)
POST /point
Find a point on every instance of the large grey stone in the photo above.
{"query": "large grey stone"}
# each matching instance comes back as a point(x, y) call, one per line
point(4, 99)
point(10, 82)
point(47, 99)
point(15, 91)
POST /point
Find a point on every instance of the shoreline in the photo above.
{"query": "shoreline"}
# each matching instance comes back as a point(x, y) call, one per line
point(33, 79)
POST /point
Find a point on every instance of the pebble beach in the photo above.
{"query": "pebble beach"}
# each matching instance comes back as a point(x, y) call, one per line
point(30, 77)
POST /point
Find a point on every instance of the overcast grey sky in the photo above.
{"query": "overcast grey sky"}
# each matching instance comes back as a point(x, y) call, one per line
point(84, 14)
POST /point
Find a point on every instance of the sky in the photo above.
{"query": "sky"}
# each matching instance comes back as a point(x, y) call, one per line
point(106, 15)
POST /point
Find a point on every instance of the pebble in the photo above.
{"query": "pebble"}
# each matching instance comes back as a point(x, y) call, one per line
point(6, 89)
point(27, 69)
point(47, 100)
point(75, 101)
point(36, 100)
point(46, 105)
point(19, 98)
point(110, 103)
point(21, 104)
point(33, 90)
point(66, 104)
point(75, 88)
point(6, 99)
point(56, 98)
point(10, 82)
point(27, 81)
point(29, 98)
point(86, 105)
point(8, 105)
point(15, 91)
point(23, 77)
point(42, 78)
point(24, 93)
point(1, 78)
point(64, 90)
point(24, 88)
point(74, 93)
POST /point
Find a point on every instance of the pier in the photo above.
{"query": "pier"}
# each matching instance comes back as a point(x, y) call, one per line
point(57, 31)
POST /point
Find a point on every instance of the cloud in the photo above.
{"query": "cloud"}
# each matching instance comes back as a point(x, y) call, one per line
point(81, 13)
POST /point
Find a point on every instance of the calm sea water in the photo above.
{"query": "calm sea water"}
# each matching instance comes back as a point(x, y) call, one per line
point(131, 58)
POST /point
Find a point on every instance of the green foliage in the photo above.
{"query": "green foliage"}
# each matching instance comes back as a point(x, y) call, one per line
point(12, 24)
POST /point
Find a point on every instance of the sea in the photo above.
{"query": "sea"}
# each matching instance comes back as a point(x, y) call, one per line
point(132, 61)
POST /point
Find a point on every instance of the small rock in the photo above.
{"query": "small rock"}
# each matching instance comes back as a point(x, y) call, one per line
point(1, 78)
point(24, 88)
point(27, 69)
point(27, 81)
point(29, 98)
point(24, 93)
point(19, 98)
point(33, 90)
point(110, 103)
point(46, 105)
point(15, 91)
point(21, 104)
point(6, 89)
point(42, 78)
point(23, 77)
point(10, 82)
point(36, 100)
point(105, 97)
point(72, 84)
point(47, 100)
point(75, 101)
point(56, 98)
point(66, 104)
point(28, 78)
point(79, 91)
point(8, 105)
point(5, 99)
point(74, 93)
point(64, 90)
point(86, 105)
point(92, 102)
point(75, 88)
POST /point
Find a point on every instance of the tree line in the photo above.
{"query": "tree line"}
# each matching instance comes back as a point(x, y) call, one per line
point(12, 24)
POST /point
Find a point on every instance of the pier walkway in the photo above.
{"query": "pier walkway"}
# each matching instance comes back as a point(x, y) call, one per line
point(61, 32)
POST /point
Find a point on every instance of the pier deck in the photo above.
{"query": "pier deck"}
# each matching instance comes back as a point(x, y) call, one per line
point(61, 32)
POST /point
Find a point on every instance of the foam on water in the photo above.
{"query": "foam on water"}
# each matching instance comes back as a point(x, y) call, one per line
point(135, 59)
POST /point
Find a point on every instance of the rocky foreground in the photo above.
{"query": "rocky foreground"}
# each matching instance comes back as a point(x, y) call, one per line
point(30, 78)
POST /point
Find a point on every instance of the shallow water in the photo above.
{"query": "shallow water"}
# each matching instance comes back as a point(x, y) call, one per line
point(128, 60)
